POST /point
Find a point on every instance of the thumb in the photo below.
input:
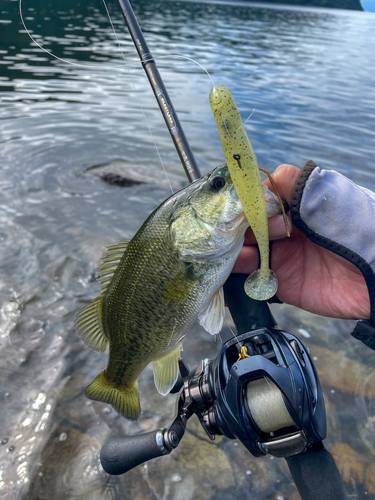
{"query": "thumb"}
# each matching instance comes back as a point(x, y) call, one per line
point(285, 177)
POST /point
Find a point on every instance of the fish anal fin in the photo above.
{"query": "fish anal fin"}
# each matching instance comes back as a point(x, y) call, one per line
point(89, 326)
point(166, 371)
point(124, 399)
point(212, 317)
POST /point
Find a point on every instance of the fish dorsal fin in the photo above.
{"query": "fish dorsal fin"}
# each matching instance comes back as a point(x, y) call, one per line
point(166, 371)
point(211, 318)
point(89, 326)
point(89, 322)
point(110, 261)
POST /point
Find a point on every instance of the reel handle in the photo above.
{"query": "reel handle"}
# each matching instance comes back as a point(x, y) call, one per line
point(316, 475)
point(119, 454)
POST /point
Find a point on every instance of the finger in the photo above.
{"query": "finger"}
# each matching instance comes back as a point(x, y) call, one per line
point(276, 230)
point(285, 177)
point(247, 261)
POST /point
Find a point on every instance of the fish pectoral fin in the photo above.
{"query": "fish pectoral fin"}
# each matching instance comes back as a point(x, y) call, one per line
point(166, 371)
point(89, 326)
point(212, 317)
point(124, 399)
point(179, 288)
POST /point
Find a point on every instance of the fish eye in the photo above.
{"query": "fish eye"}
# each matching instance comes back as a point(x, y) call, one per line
point(218, 182)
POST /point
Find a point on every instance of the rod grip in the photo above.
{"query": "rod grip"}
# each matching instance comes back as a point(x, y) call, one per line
point(316, 475)
point(120, 454)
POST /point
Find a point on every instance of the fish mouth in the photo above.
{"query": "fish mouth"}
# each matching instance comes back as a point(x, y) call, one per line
point(227, 225)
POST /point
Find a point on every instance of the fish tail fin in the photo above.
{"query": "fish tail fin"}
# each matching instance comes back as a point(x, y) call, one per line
point(261, 288)
point(124, 399)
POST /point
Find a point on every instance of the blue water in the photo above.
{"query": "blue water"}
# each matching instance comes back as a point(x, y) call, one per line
point(309, 75)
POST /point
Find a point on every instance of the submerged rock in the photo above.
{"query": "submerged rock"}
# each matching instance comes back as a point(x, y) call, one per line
point(127, 174)
point(347, 376)
point(370, 479)
point(350, 463)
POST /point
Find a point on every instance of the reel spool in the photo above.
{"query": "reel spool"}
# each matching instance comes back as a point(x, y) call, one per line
point(267, 406)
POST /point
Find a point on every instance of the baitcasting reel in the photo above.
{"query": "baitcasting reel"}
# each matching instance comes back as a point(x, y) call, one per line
point(262, 389)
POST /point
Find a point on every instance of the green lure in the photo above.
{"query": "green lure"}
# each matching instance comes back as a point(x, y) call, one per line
point(243, 167)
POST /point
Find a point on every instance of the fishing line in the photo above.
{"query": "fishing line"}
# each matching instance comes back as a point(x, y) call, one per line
point(138, 100)
point(233, 333)
point(101, 67)
point(47, 51)
point(187, 58)
point(89, 66)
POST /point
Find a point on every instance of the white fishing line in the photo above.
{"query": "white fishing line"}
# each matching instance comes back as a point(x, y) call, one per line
point(138, 100)
point(233, 333)
point(180, 56)
point(47, 51)
point(100, 66)
point(248, 118)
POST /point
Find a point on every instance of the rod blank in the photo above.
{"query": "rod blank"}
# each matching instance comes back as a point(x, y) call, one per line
point(160, 92)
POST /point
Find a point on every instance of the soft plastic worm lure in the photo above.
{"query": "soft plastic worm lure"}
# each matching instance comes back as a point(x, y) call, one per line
point(244, 170)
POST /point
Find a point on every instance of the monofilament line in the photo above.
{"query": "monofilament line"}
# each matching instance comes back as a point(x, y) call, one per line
point(47, 51)
point(180, 56)
point(233, 333)
point(138, 100)
point(100, 66)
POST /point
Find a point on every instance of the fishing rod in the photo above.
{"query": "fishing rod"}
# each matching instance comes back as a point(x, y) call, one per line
point(262, 388)
point(174, 126)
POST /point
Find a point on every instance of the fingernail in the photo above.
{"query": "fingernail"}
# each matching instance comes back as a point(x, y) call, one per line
point(277, 227)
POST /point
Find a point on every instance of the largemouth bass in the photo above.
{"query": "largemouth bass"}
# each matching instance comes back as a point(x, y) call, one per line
point(158, 284)
point(244, 171)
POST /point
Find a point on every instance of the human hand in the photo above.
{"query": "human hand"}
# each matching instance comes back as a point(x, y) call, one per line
point(310, 276)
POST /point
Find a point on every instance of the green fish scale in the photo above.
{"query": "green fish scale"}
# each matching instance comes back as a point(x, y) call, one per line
point(140, 323)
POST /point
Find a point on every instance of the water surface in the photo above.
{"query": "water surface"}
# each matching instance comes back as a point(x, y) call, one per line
point(309, 74)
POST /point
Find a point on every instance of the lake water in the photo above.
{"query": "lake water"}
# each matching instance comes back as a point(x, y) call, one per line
point(309, 74)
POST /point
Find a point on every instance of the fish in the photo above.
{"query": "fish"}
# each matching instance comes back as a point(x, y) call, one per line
point(243, 167)
point(158, 284)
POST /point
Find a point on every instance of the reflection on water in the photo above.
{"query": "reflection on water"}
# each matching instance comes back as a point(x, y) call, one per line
point(308, 73)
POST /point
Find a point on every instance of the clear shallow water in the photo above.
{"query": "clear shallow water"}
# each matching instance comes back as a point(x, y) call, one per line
point(310, 75)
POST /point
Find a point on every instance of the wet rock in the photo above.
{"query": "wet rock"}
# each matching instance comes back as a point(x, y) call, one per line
point(370, 479)
point(10, 313)
point(76, 458)
point(348, 376)
point(350, 463)
point(367, 434)
point(118, 180)
point(206, 459)
point(127, 174)
point(172, 480)
point(333, 423)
